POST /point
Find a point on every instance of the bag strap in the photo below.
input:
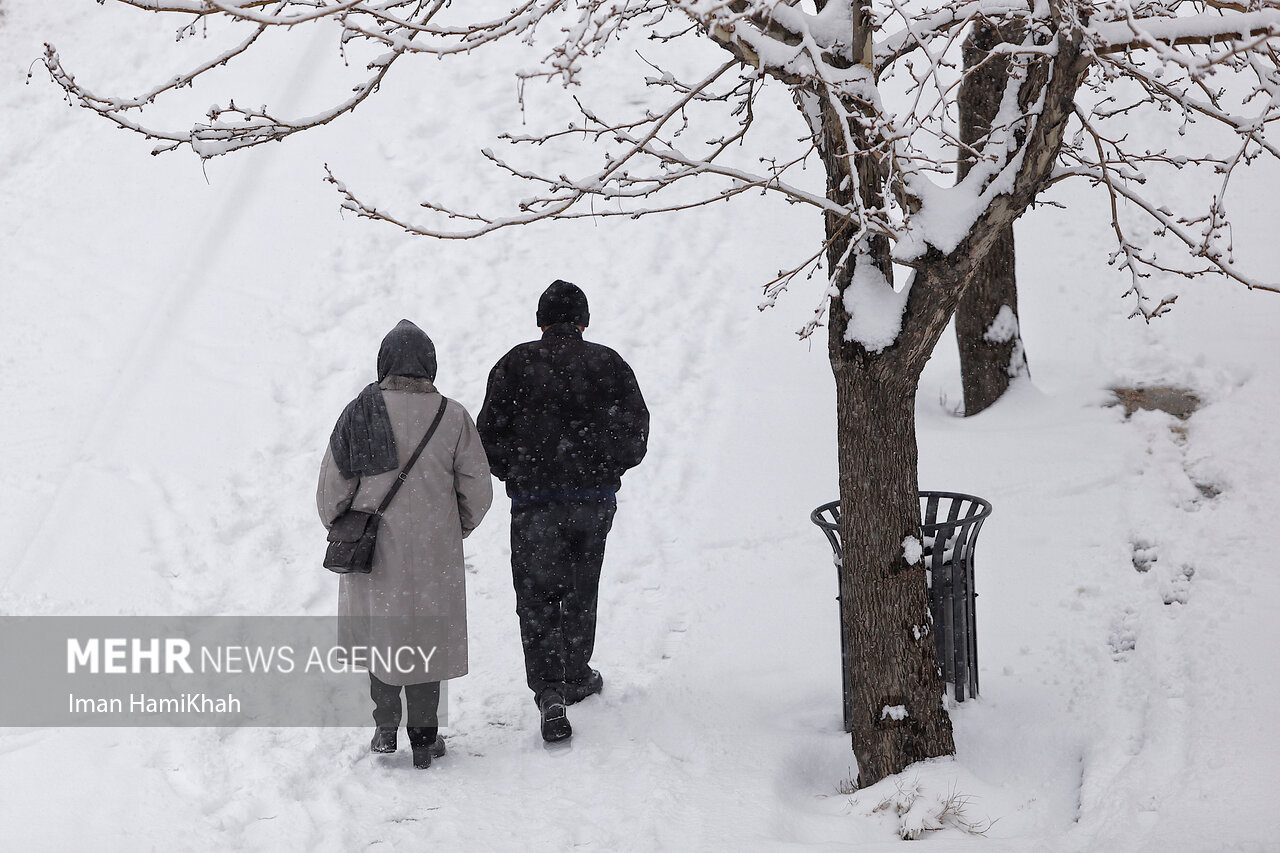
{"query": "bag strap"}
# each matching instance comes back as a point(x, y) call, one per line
point(404, 472)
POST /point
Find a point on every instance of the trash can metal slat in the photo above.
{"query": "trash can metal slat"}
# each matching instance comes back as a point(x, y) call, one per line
point(948, 555)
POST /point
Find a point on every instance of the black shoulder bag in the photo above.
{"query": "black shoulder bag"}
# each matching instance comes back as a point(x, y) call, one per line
point(353, 534)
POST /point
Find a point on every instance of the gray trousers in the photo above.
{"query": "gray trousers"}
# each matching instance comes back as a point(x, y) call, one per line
point(424, 707)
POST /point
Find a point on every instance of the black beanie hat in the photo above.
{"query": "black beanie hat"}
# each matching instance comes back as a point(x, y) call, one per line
point(563, 302)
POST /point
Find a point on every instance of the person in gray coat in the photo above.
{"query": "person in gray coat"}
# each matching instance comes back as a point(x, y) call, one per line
point(415, 596)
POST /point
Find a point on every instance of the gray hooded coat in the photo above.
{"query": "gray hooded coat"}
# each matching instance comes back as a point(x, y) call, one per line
point(415, 597)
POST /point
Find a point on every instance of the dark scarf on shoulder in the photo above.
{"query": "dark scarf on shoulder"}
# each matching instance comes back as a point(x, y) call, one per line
point(362, 441)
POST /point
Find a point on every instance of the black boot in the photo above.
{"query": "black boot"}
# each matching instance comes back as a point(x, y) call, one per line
point(384, 740)
point(555, 721)
point(576, 692)
point(424, 750)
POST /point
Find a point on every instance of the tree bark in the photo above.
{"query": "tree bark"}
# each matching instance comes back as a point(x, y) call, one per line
point(987, 333)
point(896, 692)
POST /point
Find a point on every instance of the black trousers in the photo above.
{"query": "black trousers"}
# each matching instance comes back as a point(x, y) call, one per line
point(557, 550)
point(424, 708)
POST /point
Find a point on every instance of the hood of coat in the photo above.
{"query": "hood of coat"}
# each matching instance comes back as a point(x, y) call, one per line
point(407, 351)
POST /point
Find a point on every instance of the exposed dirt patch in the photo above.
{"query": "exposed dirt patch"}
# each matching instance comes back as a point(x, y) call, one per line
point(1178, 402)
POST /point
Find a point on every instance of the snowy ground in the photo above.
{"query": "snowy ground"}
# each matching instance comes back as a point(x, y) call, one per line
point(174, 350)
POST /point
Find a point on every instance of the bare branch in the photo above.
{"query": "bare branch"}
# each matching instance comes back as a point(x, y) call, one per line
point(891, 165)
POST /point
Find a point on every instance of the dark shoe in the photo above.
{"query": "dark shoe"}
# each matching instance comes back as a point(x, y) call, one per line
point(555, 721)
point(384, 741)
point(422, 755)
point(576, 692)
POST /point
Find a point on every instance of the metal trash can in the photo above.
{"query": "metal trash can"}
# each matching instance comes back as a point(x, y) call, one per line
point(950, 522)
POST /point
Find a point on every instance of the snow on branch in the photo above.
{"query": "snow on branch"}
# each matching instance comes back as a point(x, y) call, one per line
point(876, 84)
point(1159, 33)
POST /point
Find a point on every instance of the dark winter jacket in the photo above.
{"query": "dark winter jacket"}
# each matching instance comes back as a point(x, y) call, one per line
point(563, 418)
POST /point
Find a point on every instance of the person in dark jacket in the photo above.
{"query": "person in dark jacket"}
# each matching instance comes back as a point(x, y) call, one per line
point(562, 420)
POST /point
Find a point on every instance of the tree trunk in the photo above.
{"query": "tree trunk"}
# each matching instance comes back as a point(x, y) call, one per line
point(896, 698)
point(991, 351)
point(896, 689)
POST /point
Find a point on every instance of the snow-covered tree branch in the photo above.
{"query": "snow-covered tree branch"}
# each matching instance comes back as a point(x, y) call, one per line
point(893, 83)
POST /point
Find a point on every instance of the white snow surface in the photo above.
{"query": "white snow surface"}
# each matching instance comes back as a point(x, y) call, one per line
point(894, 712)
point(875, 308)
point(174, 350)
point(1003, 328)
